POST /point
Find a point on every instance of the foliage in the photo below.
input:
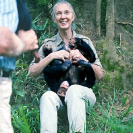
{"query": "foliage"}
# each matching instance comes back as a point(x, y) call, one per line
point(103, 14)
point(25, 119)
point(107, 116)
point(119, 49)
point(110, 114)
point(25, 100)
point(40, 30)
point(39, 5)
point(23, 85)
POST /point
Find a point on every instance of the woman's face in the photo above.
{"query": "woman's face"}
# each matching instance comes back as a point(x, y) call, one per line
point(63, 16)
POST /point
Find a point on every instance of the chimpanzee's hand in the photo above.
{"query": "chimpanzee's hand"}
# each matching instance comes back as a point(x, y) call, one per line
point(62, 54)
point(75, 55)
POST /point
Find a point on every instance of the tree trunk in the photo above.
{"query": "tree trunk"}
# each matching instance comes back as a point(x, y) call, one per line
point(98, 17)
point(110, 20)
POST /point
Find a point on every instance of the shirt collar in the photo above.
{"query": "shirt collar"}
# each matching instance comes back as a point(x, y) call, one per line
point(59, 39)
point(74, 34)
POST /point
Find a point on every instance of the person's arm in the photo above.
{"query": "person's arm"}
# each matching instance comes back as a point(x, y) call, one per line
point(98, 71)
point(13, 45)
point(37, 68)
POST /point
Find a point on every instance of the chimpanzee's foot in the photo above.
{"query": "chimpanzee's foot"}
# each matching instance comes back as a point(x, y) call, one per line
point(66, 65)
point(82, 63)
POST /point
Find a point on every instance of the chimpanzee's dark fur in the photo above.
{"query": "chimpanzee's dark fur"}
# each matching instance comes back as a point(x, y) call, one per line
point(60, 71)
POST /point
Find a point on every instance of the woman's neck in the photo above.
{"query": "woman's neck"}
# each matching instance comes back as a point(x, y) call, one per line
point(66, 35)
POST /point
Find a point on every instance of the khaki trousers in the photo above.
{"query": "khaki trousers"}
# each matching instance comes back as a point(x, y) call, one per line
point(5, 111)
point(76, 102)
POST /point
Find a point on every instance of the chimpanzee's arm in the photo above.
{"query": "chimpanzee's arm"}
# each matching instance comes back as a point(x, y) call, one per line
point(57, 70)
point(52, 83)
point(86, 49)
point(90, 81)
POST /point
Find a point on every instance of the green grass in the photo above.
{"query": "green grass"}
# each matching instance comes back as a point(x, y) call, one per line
point(109, 115)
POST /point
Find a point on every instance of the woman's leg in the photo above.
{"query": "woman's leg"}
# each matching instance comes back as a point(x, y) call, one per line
point(76, 99)
point(49, 105)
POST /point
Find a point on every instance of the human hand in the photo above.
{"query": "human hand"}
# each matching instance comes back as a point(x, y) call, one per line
point(75, 55)
point(62, 54)
point(29, 38)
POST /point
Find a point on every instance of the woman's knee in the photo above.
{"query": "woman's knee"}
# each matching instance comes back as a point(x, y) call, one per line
point(80, 92)
point(50, 97)
point(74, 92)
point(74, 89)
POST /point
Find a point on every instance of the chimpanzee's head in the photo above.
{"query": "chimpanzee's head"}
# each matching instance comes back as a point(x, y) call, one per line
point(63, 89)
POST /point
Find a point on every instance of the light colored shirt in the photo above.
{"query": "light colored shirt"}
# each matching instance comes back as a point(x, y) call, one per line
point(8, 18)
point(56, 42)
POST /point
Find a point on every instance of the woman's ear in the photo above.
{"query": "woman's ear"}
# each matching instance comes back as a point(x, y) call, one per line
point(73, 17)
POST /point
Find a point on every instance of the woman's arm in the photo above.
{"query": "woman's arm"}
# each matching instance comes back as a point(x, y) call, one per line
point(37, 68)
point(98, 71)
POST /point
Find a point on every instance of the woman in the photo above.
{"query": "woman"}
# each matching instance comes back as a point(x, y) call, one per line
point(63, 15)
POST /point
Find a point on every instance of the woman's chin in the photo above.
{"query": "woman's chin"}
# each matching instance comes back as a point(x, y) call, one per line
point(64, 27)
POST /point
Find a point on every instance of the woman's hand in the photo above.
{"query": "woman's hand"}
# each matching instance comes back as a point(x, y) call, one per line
point(75, 55)
point(62, 54)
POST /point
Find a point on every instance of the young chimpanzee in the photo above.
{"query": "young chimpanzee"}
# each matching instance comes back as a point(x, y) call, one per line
point(25, 22)
point(58, 71)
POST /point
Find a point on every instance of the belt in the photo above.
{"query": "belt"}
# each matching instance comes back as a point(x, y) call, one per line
point(4, 73)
